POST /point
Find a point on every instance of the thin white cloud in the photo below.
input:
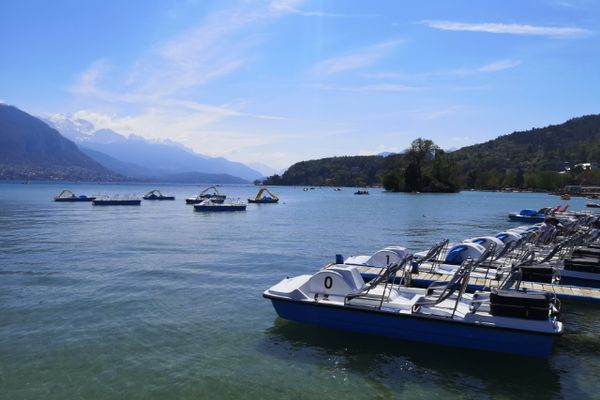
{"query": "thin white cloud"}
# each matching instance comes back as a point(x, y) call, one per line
point(377, 87)
point(429, 115)
point(512, 29)
point(499, 66)
point(87, 81)
point(359, 59)
point(291, 6)
point(492, 67)
point(496, 66)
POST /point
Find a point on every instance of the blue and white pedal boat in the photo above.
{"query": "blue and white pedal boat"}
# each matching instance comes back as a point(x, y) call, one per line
point(499, 321)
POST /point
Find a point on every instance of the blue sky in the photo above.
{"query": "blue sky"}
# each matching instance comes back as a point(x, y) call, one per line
point(283, 81)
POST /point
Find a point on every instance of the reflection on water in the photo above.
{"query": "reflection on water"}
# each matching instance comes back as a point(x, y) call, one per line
point(399, 363)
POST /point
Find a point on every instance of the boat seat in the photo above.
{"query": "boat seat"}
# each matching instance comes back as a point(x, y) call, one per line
point(437, 292)
point(515, 304)
point(587, 252)
point(537, 273)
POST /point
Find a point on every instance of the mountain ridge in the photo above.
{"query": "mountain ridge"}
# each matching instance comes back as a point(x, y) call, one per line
point(162, 158)
point(30, 149)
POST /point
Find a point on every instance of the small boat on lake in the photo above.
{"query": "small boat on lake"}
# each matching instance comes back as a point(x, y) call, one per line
point(211, 193)
point(117, 201)
point(260, 198)
point(207, 205)
point(565, 196)
point(361, 192)
point(593, 205)
point(68, 196)
point(500, 320)
point(157, 195)
point(530, 215)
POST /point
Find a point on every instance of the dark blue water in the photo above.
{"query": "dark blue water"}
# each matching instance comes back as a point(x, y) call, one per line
point(159, 301)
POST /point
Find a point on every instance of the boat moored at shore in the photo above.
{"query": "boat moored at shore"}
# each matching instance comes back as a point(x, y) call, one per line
point(499, 321)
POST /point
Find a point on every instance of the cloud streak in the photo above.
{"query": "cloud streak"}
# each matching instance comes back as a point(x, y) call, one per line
point(511, 29)
point(290, 6)
point(359, 59)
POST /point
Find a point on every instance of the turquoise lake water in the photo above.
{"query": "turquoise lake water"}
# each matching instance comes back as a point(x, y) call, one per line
point(161, 302)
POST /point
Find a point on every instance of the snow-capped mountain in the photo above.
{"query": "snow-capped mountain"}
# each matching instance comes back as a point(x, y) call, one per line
point(158, 158)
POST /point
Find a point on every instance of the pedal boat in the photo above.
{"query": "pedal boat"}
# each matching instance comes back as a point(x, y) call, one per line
point(157, 195)
point(498, 321)
point(210, 206)
point(68, 196)
point(261, 198)
point(210, 193)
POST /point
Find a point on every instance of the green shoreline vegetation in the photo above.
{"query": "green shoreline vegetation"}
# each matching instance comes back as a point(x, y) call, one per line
point(541, 159)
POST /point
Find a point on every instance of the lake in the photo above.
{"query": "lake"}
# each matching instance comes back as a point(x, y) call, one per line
point(161, 302)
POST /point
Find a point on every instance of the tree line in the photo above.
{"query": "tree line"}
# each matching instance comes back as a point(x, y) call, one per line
point(536, 159)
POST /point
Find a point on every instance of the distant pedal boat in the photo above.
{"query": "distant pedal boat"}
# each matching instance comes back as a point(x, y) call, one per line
point(157, 195)
point(68, 196)
point(117, 201)
point(210, 193)
point(530, 215)
point(260, 199)
point(210, 206)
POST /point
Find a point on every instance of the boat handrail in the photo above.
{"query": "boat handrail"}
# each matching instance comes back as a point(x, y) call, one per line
point(262, 190)
point(65, 191)
point(386, 276)
point(432, 255)
point(438, 291)
point(214, 188)
point(158, 192)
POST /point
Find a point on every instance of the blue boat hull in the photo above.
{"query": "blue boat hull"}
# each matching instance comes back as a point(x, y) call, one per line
point(442, 332)
point(527, 218)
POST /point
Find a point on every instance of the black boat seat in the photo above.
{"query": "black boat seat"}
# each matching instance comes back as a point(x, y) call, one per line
point(537, 273)
point(515, 304)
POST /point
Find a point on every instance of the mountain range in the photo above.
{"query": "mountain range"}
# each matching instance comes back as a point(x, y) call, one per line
point(30, 149)
point(136, 157)
point(64, 148)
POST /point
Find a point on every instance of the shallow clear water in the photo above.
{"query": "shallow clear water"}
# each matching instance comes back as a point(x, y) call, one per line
point(159, 301)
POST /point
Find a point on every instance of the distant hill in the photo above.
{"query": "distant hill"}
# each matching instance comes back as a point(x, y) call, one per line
point(334, 171)
point(506, 160)
point(155, 158)
point(528, 159)
point(31, 150)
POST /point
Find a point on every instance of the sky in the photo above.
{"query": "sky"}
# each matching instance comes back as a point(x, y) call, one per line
point(287, 80)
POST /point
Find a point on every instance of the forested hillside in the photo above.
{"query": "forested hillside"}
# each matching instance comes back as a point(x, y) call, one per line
point(530, 159)
point(334, 171)
point(533, 158)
